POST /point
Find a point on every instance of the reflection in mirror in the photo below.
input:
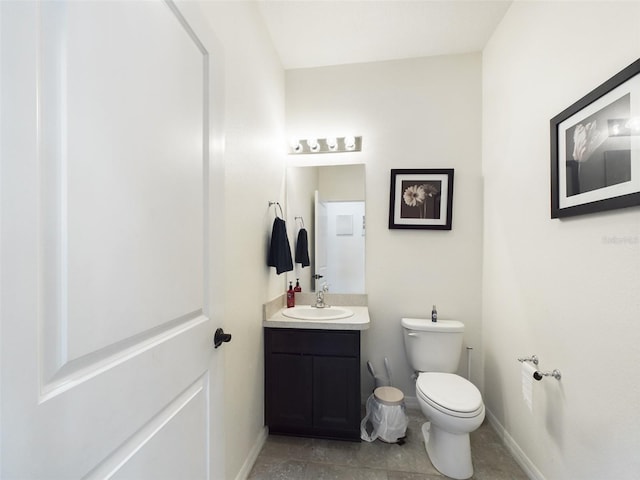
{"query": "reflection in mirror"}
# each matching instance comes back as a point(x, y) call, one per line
point(330, 200)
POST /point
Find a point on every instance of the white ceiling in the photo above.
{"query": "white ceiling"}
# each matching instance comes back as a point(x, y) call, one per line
point(314, 33)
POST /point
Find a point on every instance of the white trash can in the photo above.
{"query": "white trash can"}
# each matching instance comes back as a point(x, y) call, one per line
point(387, 414)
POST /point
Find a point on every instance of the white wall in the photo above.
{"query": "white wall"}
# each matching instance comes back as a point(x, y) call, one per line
point(342, 183)
point(302, 182)
point(419, 113)
point(566, 290)
point(254, 174)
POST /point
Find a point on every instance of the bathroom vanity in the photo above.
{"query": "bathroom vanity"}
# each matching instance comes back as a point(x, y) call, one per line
point(312, 376)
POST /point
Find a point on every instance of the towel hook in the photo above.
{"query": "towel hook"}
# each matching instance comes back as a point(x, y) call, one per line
point(279, 206)
point(301, 220)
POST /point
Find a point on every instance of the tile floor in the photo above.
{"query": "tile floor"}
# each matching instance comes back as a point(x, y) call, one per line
point(293, 458)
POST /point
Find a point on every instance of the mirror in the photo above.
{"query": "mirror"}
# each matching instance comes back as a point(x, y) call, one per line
point(330, 202)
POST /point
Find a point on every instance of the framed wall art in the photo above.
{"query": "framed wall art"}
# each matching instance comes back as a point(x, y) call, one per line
point(595, 149)
point(421, 199)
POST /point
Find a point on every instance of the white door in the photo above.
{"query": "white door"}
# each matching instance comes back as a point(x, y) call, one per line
point(345, 246)
point(108, 368)
point(320, 241)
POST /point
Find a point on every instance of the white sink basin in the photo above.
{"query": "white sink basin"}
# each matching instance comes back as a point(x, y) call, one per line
point(307, 312)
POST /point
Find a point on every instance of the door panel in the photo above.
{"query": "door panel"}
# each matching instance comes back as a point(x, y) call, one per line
point(320, 240)
point(164, 447)
point(123, 170)
point(106, 328)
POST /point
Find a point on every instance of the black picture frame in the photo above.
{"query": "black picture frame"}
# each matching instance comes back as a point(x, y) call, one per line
point(595, 149)
point(421, 199)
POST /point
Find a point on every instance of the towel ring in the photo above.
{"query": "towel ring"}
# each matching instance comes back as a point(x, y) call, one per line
point(301, 220)
point(279, 206)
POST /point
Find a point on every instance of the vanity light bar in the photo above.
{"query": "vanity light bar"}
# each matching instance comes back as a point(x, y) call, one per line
point(325, 145)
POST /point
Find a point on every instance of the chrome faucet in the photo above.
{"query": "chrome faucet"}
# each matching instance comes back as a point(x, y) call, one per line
point(320, 296)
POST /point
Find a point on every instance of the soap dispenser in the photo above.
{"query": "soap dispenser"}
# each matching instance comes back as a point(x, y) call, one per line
point(291, 296)
point(434, 314)
point(297, 288)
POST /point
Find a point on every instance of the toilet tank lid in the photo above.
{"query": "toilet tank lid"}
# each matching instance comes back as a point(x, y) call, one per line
point(426, 325)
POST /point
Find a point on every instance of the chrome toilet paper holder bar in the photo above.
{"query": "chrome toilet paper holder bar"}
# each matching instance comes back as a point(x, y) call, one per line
point(538, 375)
point(555, 374)
point(533, 359)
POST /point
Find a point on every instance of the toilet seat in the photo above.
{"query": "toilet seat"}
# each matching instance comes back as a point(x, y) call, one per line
point(449, 393)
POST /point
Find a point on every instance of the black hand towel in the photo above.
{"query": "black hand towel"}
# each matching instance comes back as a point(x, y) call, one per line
point(302, 248)
point(280, 251)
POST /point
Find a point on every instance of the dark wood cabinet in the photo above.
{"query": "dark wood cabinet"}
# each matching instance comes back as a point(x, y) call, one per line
point(312, 382)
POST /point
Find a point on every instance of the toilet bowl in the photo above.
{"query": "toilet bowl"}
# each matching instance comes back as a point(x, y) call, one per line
point(453, 407)
point(452, 404)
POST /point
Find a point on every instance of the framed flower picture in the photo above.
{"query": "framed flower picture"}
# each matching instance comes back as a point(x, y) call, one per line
point(595, 149)
point(421, 199)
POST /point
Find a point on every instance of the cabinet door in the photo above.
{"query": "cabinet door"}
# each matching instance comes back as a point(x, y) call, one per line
point(289, 383)
point(336, 394)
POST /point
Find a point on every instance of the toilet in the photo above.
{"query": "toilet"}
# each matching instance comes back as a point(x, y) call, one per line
point(452, 404)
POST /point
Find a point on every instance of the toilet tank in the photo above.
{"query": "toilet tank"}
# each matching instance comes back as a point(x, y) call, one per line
point(433, 346)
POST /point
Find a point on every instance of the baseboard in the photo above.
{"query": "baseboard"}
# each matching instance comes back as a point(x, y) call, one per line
point(519, 456)
point(253, 455)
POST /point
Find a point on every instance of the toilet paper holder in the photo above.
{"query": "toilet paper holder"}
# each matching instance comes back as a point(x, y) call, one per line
point(538, 375)
point(533, 359)
point(555, 374)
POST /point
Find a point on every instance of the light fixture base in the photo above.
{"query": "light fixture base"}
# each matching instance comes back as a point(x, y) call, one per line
point(326, 145)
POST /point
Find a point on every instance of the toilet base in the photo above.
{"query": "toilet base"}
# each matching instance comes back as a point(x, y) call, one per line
point(450, 453)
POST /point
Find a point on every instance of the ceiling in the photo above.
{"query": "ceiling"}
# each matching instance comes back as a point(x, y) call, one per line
point(315, 33)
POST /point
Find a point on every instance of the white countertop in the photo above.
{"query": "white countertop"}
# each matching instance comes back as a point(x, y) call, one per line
point(358, 321)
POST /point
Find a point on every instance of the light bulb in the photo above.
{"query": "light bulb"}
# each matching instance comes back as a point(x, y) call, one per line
point(314, 146)
point(332, 143)
point(633, 124)
point(350, 143)
point(295, 145)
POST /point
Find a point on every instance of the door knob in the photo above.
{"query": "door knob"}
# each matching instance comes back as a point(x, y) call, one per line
point(220, 337)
